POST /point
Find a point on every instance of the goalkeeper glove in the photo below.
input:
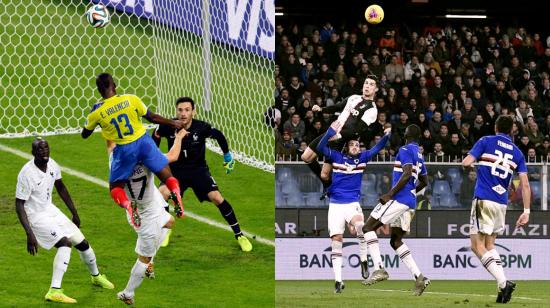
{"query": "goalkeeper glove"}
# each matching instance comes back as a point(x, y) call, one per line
point(228, 162)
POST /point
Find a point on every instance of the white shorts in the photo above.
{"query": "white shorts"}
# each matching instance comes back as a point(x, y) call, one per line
point(341, 214)
point(51, 226)
point(487, 217)
point(394, 213)
point(153, 218)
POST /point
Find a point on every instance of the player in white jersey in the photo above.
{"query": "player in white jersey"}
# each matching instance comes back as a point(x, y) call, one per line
point(46, 225)
point(152, 222)
point(396, 208)
point(498, 158)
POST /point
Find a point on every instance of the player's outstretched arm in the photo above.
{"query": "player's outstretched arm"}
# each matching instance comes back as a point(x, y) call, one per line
point(158, 119)
point(380, 145)
point(175, 151)
point(407, 173)
point(64, 194)
point(32, 244)
point(323, 143)
point(86, 132)
point(526, 195)
point(228, 162)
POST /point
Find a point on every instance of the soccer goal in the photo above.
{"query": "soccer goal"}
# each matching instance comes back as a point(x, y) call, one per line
point(218, 52)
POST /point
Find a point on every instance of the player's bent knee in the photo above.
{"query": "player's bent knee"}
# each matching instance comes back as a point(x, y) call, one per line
point(145, 260)
point(63, 242)
point(83, 245)
point(336, 247)
point(359, 226)
point(170, 222)
point(215, 197)
point(395, 242)
point(77, 238)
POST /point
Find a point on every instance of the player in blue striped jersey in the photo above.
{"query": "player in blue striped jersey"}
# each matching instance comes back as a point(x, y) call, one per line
point(397, 208)
point(498, 158)
point(344, 194)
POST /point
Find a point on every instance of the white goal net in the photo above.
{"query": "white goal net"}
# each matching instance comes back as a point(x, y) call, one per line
point(219, 52)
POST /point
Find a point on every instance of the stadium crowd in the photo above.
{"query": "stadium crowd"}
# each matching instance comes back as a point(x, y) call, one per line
point(453, 81)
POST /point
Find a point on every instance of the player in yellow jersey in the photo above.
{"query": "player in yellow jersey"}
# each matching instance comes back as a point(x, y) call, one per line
point(119, 117)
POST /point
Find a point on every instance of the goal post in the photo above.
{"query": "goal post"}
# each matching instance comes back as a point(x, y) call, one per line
point(219, 52)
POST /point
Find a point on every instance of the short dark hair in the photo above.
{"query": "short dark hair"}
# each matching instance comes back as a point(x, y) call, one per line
point(375, 78)
point(185, 99)
point(413, 132)
point(504, 124)
point(104, 81)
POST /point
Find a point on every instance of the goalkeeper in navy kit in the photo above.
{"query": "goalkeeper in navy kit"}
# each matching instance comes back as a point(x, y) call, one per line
point(191, 169)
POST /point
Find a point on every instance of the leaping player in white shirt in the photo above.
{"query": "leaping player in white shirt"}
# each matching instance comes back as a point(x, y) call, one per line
point(152, 220)
point(46, 225)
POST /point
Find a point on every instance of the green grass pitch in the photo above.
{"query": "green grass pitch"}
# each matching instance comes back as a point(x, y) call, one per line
point(448, 293)
point(203, 266)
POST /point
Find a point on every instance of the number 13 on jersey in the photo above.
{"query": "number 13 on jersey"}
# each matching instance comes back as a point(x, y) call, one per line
point(122, 117)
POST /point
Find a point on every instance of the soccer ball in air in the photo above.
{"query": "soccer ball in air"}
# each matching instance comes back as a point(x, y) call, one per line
point(374, 14)
point(98, 16)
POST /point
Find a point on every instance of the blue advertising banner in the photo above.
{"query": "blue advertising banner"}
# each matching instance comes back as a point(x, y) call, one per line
point(246, 24)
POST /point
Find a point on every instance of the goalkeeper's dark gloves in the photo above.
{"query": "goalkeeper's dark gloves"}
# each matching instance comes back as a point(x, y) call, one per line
point(228, 162)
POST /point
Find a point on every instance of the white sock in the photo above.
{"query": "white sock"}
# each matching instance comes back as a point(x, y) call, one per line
point(406, 257)
point(362, 242)
point(374, 249)
point(336, 257)
point(498, 262)
point(88, 257)
point(489, 262)
point(60, 264)
point(136, 277)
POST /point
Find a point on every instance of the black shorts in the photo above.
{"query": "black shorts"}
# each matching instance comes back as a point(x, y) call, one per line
point(337, 145)
point(199, 180)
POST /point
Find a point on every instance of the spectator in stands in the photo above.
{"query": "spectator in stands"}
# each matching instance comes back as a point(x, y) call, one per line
point(443, 137)
point(351, 87)
point(489, 115)
point(285, 148)
point(284, 101)
point(376, 67)
point(430, 63)
point(422, 122)
point(544, 149)
point(388, 41)
point(334, 97)
point(546, 126)
point(295, 88)
point(377, 127)
point(438, 90)
point(533, 172)
point(437, 155)
point(447, 114)
point(427, 141)
point(394, 68)
point(524, 144)
point(296, 127)
point(456, 122)
point(435, 123)
point(411, 66)
point(523, 111)
point(535, 136)
point(454, 148)
point(466, 138)
point(469, 113)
